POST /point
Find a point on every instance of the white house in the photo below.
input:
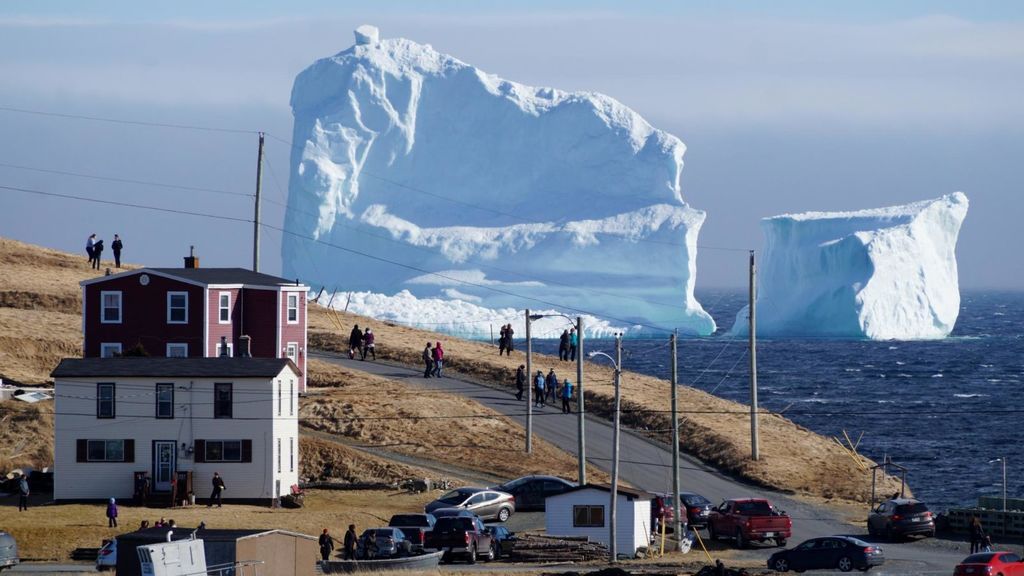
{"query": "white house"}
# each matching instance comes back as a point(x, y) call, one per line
point(584, 511)
point(119, 416)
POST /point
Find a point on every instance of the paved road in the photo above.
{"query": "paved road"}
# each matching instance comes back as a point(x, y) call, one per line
point(648, 465)
point(46, 569)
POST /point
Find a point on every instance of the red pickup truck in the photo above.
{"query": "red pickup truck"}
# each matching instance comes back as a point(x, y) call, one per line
point(749, 520)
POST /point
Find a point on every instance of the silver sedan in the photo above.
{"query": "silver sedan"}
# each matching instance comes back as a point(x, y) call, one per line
point(486, 503)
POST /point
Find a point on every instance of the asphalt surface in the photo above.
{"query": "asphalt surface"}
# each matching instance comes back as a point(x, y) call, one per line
point(648, 465)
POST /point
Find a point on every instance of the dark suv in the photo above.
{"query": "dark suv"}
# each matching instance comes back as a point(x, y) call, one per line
point(901, 517)
point(696, 508)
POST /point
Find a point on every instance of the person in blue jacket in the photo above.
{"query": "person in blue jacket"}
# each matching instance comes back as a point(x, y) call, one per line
point(566, 396)
point(538, 390)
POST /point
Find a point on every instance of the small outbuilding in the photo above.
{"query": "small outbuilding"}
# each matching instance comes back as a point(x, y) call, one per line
point(584, 511)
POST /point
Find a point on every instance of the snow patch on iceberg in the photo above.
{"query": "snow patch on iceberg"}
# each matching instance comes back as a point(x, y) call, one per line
point(413, 162)
point(884, 274)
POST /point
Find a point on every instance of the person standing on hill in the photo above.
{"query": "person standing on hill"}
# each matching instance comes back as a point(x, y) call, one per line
point(438, 356)
point(368, 344)
point(566, 396)
point(508, 339)
point(552, 385)
point(116, 246)
point(349, 545)
point(501, 340)
point(355, 342)
point(23, 493)
point(428, 361)
point(520, 381)
point(326, 545)
point(97, 253)
point(89, 243)
point(563, 346)
point(218, 487)
point(538, 390)
point(574, 341)
point(112, 514)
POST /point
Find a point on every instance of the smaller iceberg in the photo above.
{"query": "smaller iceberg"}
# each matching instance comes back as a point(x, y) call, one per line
point(883, 274)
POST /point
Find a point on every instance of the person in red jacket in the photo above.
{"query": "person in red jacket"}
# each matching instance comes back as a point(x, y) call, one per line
point(438, 359)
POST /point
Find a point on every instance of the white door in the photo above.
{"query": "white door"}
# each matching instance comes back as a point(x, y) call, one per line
point(163, 464)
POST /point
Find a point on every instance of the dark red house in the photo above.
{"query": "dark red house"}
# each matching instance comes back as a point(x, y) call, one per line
point(190, 311)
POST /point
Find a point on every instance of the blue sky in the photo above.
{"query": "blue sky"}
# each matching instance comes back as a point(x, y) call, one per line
point(784, 106)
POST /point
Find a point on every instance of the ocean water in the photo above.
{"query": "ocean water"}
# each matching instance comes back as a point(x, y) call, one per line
point(944, 409)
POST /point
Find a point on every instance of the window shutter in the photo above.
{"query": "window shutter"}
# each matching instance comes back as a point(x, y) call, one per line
point(82, 450)
point(129, 450)
point(200, 454)
point(246, 450)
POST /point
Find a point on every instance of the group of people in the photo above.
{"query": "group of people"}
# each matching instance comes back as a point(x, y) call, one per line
point(505, 340)
point(94, 248)
point(545, 388)
point(433, 360)
point(980, 541)
point(567, 345)
point(348, 545)
point(361, 343)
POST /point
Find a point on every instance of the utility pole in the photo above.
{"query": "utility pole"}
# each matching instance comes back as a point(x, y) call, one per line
point(677, 519)
point(529, 387)
point(754, 437)
point(612, 547)
point(256, 220)
point(582, 443)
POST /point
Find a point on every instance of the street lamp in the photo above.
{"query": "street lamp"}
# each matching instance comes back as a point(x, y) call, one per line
point(1003, 460)
point(617, 362)
point(581, 445)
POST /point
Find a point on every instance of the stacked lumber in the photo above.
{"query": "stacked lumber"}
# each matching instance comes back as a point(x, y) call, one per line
point(543, 548)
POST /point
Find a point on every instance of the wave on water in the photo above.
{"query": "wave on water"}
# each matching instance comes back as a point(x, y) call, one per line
point(976, 395)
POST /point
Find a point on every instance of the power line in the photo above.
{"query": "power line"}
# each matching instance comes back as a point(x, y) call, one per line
point(125, 180)
point(126, 122)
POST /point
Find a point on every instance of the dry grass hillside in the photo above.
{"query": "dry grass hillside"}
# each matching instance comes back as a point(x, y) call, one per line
point(715, 430)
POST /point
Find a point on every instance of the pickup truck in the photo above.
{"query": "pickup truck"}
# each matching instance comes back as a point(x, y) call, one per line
point(749, 520)
point(415, 527)
point(463, 536)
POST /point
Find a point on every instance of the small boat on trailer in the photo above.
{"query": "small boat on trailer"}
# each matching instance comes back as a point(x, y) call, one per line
point(420, 562)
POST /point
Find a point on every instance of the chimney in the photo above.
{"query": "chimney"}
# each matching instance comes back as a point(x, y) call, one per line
point(223, 346)
point(244, 342)
point(191, 261)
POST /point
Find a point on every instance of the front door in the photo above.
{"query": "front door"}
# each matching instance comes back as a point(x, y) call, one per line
point(163, 464)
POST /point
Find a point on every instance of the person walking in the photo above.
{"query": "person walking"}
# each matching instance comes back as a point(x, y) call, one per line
point(116, 246)
point(349, 545)
point(368, 344)
point(438, 356)
point(508, 339)
point(552, 385)
point(89, 243)
point(566, 396)
point(218, 487)
point(977, 535)
point(428, 361)
point(112, 514)
point(355, 342)
point(326, 545)
point(538, 390)
point(97, 253)
point(574, 341)
point(563, 346)
point(23, 493)
point(520, 381)
point(502, 334)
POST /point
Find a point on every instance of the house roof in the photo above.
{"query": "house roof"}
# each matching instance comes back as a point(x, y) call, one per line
point(206, 276)
point(629, 493)
point(235, 367)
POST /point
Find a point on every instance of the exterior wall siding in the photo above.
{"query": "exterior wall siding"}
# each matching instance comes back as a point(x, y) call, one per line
point(216, 329)
point(259, 322)
point(294, 332)
point(254, 418)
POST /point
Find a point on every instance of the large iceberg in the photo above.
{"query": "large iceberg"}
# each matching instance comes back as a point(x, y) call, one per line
point(414, 171)
point(883, 274)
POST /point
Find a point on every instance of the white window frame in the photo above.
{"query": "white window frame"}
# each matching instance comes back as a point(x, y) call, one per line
point(170, 295)
point(109, 446)
point(291, 397)
point(291, 351)
point(291, 454)
point(182, 345)
point(103, 306)
point(221, 308)
point(104, 346)
point(290, 307)
point(231, 350)
point(280, 398)
point(278, 455)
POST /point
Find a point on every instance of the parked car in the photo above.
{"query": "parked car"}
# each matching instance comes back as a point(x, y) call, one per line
point(901, 517)
point(833, 552)
point(462, 536)
point(504, 539)
point(484, 502)
point(414, 527)
point(106, 559)
point(749, 520)
point(8, 551)
point(531, 492)
point(439, 513)
point(382, 543)
point(990, 563)
point(697, 507)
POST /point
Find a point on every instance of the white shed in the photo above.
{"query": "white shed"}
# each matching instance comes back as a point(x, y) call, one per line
point(584, 511)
